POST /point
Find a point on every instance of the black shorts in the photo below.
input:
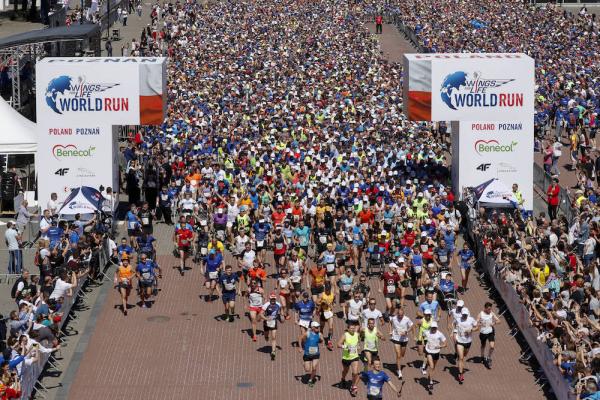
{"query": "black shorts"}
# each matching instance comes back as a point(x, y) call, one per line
point(347, 363)
point(401, 344)
point(124, 285)
point(278, 258)
point(487, 337)
point(434, 356)
point(315, 291)
point(374, 353)
point(421, 342)
point(391, 295)
point(415, 276)
point(267, 329)
point(344, 296)
point(332, 273)
point(310, 357)
point(297, 286)
point(466, 346)
point(146, 284)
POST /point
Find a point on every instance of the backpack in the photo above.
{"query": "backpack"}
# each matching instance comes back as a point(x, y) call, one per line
point(13, 291)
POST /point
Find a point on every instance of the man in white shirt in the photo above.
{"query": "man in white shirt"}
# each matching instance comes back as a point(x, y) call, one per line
point(15, 254)
point(400, 325)
point(62, 287)
point(45, 224)
point(435, 342)
point(354, 307)
point(52, 205)
point(464, 336)
point(371, 312)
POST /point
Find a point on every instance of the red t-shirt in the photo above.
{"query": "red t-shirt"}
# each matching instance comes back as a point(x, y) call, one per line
point(278, 217)
point(379, 19)
point(390, 280)
point(184, 237)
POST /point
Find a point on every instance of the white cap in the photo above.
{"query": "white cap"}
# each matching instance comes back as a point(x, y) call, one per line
point(401, 259)
point(433, 324)
point(261, 220)
point(423, 234)
point(393, 265)
point(427, 311)
point(410, 225)
point(428, 221)
point(460, 303)
point(420, 194)
point(464, 311)
point(314, 324)
point(219, 210)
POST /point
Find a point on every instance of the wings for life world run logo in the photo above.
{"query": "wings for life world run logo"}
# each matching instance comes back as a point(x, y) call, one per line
point(65, 93)
point(471, 90)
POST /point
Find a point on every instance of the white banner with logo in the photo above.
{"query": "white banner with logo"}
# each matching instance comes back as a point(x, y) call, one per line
point(78, 102)
point(494, 88)
point(501, 150)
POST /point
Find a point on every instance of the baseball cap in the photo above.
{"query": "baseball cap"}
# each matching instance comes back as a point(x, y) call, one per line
point(393, 265)
point(464, 311)
point(433, 324)
point(460, 303)
point(314, 324)
point(427, 312)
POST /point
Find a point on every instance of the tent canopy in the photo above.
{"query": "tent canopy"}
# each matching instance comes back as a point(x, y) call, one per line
point(73, 32)
point(18, 133)
point(494, 193)
point(83, 200)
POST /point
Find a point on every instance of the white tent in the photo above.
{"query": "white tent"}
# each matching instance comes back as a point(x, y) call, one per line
point(83, 200)
point(17, 134)
point(494, 193)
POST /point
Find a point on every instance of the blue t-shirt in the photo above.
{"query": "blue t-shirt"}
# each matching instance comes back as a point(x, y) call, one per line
point(433, 306)
point(303, 235)
point(74, 237)
point(124, 250)
point(465, 256)
point(375, 382)
point(260, 232)
point(212, 264)
point(132, 222)
point(146, 270)
point(311, 344)
point(145, 245)
point(228, 282)
point(305, 309)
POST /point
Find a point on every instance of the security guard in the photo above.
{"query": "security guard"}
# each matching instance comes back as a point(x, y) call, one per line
point(518, 195)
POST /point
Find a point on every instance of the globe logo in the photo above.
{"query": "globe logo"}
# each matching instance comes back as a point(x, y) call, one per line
point(57, 85)
point(452, 83)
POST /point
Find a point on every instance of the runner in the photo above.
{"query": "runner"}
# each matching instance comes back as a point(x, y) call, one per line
point(349, 342)
point(345, 284)
point(423, 325)
point(213, 265)
point(354, 307)
point(400, 326)
point(391, 281)
point(284, 287)
point(255, 303)
point(326, 314)
point(454, 316)
point(123, 276)
point(464, 336)
point(486, 320)
point(375, 379)
point(146, 274)
point(271, 314)
point(371, 337)
point(317, 283)
point(297, 272)
point(182, 238)
point(435, 342)
point(327, 258)
point(230, 286)
point(305, 310)
point(261, 233)
point(309, 344)
point(371, 312)
point(467, 257)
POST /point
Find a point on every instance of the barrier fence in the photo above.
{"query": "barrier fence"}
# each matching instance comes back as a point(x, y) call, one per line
point(31, 374)
point(520, 314)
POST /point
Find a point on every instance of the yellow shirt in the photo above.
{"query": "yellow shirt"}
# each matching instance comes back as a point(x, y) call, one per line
point(219, 246)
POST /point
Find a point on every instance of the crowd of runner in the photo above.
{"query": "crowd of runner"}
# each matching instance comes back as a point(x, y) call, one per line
point(294, 183)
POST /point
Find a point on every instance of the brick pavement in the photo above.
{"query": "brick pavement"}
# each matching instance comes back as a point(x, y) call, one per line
point(177, 349)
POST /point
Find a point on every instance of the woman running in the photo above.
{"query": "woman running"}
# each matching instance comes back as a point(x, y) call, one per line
point(326, 314)
point(123, 277)
point(284, 286)
point(255, 302)
point(486, 320)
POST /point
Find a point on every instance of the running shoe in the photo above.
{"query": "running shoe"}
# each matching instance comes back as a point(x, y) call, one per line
point(224, 317)
point(424, 371)
point(231, 318)
point(125, 313)
point(273, 356)
point(461, 378)
point(489, 363)
point(430, 388)
point(329, 345)
point(354, 391)
point(254, 338)
point(311, 382)
point(399, 374)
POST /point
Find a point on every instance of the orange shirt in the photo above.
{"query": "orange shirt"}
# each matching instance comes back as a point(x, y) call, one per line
point(125, 273)
point(257, 273)
point(366, 217)
point(318, 276)
point(194, 178)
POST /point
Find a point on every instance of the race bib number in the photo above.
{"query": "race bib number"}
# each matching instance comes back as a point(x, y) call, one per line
point(304, 323)
point(330, 267)
point(323, 239)
point(424, 248)
point(353, 349)
point(312, 350)
point(391, 289)
point(443, 259)
point(279, 246)
point(296, 278)
point(327, 314)
point(184, 242)
point(259, 243)
point(374, 391)
point(213, 274)
point(346, 288)
point(204, 251)
point(271, 323)
point(145, 220)
point(229, 286)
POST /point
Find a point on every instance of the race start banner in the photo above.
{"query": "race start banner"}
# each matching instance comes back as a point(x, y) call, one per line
point(79, 100)
point(489, 99)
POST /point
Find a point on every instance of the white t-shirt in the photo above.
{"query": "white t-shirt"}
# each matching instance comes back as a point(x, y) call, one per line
point(401, 328)
point(464, 330)
point(52, 206)
point(240, 243)
point(11, 237)
point(486, 321)
point(368, 313)
point(60, 289)
point(248, 259)
point(44, 225)
point(354, 309)
point(434, 341)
